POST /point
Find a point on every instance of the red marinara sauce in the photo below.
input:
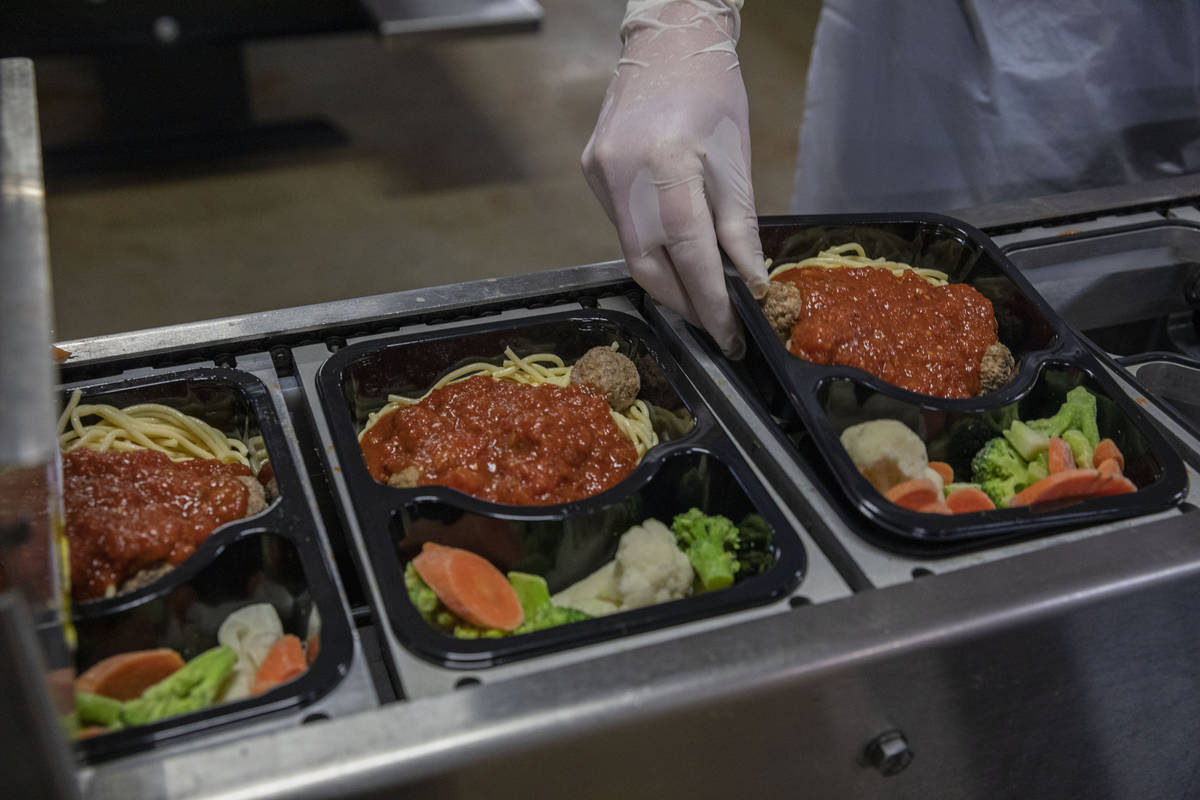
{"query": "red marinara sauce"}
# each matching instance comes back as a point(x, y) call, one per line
point(910, 333)
point(127, 511)
point(504, 441)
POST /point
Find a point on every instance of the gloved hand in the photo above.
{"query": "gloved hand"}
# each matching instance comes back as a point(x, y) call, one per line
point(670, 160)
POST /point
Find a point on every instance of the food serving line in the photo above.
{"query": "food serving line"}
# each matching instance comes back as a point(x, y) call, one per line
point(1056, 665)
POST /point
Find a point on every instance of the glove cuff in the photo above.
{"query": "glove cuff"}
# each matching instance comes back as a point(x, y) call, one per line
point(640, 14)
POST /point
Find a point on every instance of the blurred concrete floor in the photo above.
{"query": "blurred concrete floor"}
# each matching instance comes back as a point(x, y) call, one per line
point(462, 162)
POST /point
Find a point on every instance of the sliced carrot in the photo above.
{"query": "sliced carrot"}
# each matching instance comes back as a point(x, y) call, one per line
point(939, 507)
point(1073, 484)
point(1109, 466)
point(914, 494)
point(283, 662)
point(1108, 449)
point(470, 586)
point(943, 469)
point(126, 676)
point(433, 565)
point(969, 499)
point(1060, 456)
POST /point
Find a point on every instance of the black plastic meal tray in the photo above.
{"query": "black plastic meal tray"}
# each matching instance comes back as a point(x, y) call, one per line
point(275, 556)
point(1051, 359)
point(563, 542)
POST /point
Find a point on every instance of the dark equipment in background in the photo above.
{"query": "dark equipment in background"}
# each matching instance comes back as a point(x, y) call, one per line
point(172, 74)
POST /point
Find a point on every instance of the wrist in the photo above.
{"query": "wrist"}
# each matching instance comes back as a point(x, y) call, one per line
point(719, 20)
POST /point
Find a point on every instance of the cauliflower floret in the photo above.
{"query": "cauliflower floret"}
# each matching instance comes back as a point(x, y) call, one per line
point(886, 452)
point(250, 631)
point(597, 594)
point(935, 476)
point(649, 568)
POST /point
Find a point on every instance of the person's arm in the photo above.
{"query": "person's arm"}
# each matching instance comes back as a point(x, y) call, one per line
point(670, 159)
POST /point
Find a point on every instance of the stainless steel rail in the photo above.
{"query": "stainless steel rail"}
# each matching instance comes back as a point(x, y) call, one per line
point(26, 427)
point(1087, 203)
point(316, 320)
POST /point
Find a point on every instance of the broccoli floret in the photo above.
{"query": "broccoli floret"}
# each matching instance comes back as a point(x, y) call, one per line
point(95, 709)
point(540, 613)
point(1085, 414)
point(190, 688)
point(1026, 441)
point(424, 599)
point(710, 544)
point(465, 630)
point(963, 440)
point(754, 553)
point(1000, 471)
point(551, 616)
point(1039, 467)
point(1081, 449)
point(1078, 413)
point(1002, 418)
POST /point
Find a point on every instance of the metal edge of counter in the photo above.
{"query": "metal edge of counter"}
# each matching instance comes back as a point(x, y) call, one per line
point(319, 319)
point(1088, 202)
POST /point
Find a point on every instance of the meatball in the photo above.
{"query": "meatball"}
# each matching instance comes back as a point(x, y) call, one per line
point(995, 368)
point(611, 373)
point(144, 577)
point(782, 305)
point(404, 479)
point(656, 387)
point(257, 500)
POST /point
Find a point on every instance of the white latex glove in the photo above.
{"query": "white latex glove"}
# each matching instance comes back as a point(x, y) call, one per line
point(670, 160)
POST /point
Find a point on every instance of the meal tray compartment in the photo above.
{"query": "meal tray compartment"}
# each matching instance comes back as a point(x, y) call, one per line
point(1118, 286)
point(695, 467)
point(1025, 323)
point(1171, 378)
point(274, 556)
point(1048, 353)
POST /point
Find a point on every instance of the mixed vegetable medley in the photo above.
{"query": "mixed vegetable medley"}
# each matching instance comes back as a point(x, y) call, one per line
point(1056, 459)
point(463, 594)
point(253, 656)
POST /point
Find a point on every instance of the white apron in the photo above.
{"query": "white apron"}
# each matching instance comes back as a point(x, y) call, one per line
point(940, 104)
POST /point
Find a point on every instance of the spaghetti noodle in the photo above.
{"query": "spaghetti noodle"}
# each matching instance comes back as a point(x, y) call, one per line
point(144, 485)
point(539, 368)
point(152, 426)
point(852, 254)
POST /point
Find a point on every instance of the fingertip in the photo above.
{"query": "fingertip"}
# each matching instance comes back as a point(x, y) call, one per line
point(746, 254)
point(736, 348)
point(730, 338)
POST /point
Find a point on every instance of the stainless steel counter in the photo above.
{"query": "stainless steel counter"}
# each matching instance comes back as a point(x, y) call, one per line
point(1060, 667)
